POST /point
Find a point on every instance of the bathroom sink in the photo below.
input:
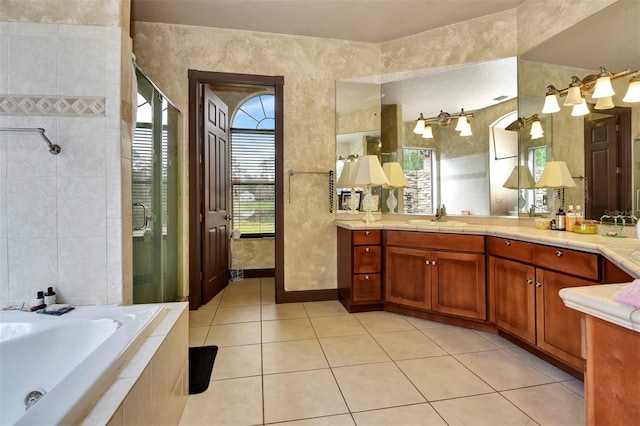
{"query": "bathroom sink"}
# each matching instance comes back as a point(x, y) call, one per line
point(428, 222)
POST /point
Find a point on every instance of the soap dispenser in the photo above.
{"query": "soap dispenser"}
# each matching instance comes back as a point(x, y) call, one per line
point(561, 220)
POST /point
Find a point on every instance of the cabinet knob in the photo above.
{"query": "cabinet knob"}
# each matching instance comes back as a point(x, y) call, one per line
point(538, 284)
point(434, 263)
point(507, 243)
point(559, 253)
point(366, 277)
point(427, 262)
point(529, 280)
point(367, 250)
point(366, 233)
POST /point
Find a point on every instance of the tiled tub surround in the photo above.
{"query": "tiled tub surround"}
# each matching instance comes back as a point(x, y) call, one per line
point(623, 252)
point(152, 387)
point(61, 220)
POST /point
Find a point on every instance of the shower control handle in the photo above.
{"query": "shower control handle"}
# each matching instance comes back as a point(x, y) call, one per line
point(144, 215)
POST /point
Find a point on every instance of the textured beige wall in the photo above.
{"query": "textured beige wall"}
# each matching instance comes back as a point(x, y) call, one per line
point(310, 67)
point(106, 13)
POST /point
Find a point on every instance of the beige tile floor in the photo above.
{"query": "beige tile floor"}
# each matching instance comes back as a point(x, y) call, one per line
point(316, 364)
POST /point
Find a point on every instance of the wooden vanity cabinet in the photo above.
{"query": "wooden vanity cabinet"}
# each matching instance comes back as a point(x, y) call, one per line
point(359, 269)
point(524, 281)
point(442, 273)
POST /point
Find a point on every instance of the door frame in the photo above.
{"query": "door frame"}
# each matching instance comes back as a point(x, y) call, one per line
point(196, 149)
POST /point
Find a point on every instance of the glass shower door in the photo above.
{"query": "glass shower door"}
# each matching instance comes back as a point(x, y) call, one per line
point(154, 196)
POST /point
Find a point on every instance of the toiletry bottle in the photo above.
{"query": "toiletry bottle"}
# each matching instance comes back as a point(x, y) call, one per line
point(571, 219)
point(40, 298)
point(561, 220)
point(50, 297)
point(578, 215)
point(552, 225)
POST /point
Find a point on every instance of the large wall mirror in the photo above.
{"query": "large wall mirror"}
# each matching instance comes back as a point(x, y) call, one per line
point(599, 148)
point(465, 170)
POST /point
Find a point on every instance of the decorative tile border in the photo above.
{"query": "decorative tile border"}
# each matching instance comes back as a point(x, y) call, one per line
point(480, 175)
point(68, 106)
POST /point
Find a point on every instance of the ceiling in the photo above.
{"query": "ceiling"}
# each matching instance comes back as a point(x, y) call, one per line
point(373, 21)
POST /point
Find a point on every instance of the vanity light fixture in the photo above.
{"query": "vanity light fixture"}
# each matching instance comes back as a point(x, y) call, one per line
point(536, 130)
point(423, 125)
point(600, 88)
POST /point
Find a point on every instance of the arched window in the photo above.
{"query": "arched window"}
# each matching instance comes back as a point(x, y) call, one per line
point(253, 170)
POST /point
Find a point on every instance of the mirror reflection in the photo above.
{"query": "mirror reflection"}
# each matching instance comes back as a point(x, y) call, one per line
point(462, 167)
point(597, 143)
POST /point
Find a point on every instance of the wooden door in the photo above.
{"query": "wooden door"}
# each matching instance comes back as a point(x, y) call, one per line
point(513, 297)
point(215, 232)
point(559, 329)
point(601, 166)
point(458, 284)
point(408, 277)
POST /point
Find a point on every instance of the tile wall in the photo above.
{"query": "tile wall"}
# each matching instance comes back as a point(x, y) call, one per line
point(60, 216)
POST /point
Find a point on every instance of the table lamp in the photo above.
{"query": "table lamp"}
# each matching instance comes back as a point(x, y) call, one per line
point(368, 173)
point(395, 175)
point(556, 175)
point(520, 178)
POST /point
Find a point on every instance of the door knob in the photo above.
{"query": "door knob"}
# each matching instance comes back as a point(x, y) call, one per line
point(227, 217)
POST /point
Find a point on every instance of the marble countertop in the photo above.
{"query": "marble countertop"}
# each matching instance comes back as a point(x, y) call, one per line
point(623, 252)
point(598, 301)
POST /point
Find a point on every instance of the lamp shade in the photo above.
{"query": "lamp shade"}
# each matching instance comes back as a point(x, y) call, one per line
point(520, 177)
point(428, 132)
point(580, 109)
point(466, 130)
point(345, 175)
point(604, 103)
point(368, 172)
point(462, 123)
point(555, 175)
point(395, 175)
point(603, 88)
point(633, 92)
point(536, 131)
point(550, 104)
point(419, 129)
point(574, 97)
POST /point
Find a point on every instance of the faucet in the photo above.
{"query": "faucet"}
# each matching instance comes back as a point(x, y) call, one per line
point(441, 212)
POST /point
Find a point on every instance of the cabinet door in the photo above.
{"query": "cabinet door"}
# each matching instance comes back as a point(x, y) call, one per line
point(513, 297)
point(407, 277)
point(366, 287)
point(559, 327)
point(458, 284)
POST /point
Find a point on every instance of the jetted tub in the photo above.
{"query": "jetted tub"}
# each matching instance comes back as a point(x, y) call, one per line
point(53, 367)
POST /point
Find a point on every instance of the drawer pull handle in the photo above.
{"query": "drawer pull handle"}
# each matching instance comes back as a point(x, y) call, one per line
point(559, 253)
point(367, 250)
point(529, 280)
point(538, 284)
point(507, 243)
point(366, 233)
point(434, 263)
point(427, 262)
point(366, 277)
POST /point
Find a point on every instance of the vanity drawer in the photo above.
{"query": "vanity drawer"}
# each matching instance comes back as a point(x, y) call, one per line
point(366, 259)
point(436, 241)
point(366, 288)
point(510, 249)
point(367, 237)
point(569, 261)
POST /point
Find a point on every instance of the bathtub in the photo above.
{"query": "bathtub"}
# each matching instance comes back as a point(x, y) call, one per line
point(57, 366)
